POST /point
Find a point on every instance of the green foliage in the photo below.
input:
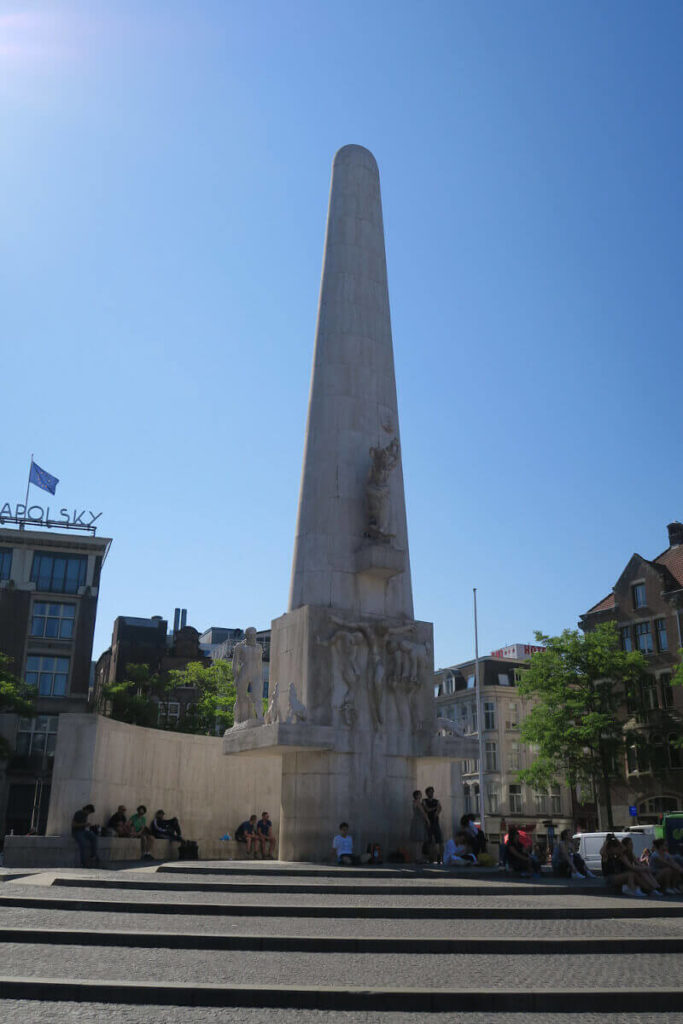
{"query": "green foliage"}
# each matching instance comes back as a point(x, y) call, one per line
point(580, 685)
point(213, 712)
point(16, 697)
point(136, 700)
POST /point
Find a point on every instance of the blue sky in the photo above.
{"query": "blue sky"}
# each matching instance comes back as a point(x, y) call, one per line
point(164, 174)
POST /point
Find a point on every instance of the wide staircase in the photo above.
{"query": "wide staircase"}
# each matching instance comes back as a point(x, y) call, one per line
point(308, 943)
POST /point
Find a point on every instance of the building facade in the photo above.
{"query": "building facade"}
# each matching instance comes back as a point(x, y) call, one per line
point(49, 587)
point(507, 801)
point(646, 603)
point(139, 641)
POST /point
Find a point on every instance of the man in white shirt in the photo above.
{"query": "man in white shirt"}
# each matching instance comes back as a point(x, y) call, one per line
point(342, 845)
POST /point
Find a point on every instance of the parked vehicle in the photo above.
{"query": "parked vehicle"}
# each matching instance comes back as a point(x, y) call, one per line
point(671, 829)
point(589, 845)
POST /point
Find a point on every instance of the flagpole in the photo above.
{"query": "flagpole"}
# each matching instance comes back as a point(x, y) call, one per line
point(28, 484)
point(480, 716)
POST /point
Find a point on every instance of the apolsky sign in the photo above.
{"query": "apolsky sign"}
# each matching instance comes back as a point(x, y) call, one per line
point(39, 515)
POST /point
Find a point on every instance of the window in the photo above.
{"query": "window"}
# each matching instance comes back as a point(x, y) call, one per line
point(37, 735)
point(473, 715)
point(649, 693)
point(513, 712)
point(662, 639)
point(626, 642)
point(463, 718)
point(503, 679)
point(470, 766)
point(5, 563)
point(53, 621)
point(515, 757)
point(470, 682)
point(491, 798)
point(639, 597)
point(450, 683)
point(491, 756)
point(541, 803)
point(467, 799)
point(675, 752)
point(515, 799)
point(50, 675)
point(632, 758)
point(60, 574)
point(666, 690)
point(437, 689)
point(555, 800)
point(658, 805)
point(517, 675)
point(644, 637)
point(169, 712)
point(489, 715)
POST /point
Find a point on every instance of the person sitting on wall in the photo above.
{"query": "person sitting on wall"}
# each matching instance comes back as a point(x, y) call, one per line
point(163, 828)
point(85, 836)
point(138, 825)
point(342, 845)
point(118, 824)
point(264, 832)
point(246, 833)
point(460, 851)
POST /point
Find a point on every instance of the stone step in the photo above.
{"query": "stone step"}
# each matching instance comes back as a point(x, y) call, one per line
point(606, 909)
point(408, 946)
point(341, 889)
point(346, 999)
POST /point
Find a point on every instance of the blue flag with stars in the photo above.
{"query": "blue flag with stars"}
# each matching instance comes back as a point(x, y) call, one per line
point(42, 479)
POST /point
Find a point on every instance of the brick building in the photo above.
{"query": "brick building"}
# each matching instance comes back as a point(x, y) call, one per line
point(49, 586)
point(646, 602)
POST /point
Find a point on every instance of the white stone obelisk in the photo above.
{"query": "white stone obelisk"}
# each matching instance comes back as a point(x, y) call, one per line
point(351, 671)
point(352, 408)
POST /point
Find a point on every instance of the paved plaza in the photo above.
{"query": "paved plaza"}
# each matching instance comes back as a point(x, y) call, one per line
point(223, 941)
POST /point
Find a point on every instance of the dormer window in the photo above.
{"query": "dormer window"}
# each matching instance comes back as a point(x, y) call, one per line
point(639, 597)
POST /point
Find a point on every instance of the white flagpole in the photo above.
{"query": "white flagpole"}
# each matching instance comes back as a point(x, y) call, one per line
point(480, 717)
point(28, 484)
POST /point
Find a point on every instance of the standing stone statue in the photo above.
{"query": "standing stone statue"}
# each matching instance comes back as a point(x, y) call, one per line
point(377, 491)
point(247, 667)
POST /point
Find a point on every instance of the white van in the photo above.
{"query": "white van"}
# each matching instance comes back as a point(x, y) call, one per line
point(589, 844)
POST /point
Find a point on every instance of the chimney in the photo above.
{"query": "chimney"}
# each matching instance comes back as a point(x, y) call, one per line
point(675, 533)
point(176, 619)
point(183, 618)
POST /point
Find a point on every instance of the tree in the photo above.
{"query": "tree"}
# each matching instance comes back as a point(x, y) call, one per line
point(213, 712)
point(137, 699)
point(581, 684)
point(16, 697)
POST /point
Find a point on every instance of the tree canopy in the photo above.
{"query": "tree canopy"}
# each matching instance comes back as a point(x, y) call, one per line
point(16, 697)
point(581, 685)
point(143, 698)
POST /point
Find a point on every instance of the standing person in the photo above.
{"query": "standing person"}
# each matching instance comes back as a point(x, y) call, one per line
point(86, 838)
point(342, 845)
point(419, 828)
point(432, 808)
point(138, 824)
point(246, 833)
point(264, 832)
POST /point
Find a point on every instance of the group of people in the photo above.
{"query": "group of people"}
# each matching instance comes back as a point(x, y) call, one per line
point(659, 874)
point(257, 834)
point(86, 833)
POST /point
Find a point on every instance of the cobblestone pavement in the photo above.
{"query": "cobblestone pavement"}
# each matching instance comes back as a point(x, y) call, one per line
point(18, 917)
point(18, 1011)
point(510, 972)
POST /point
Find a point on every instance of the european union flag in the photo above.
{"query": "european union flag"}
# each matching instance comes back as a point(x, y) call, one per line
point(42, 479)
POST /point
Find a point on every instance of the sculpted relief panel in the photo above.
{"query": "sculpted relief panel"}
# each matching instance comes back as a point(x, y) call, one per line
point(375, 661)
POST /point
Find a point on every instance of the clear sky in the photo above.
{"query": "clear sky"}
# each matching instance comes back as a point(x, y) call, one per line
point(164, 175)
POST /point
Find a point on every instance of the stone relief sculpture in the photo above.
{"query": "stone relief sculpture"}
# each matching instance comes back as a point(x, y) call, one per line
point(296, 711)
point(376, 637)
point(346, 644)
point(247, 667)
point(383, 461)
point(272, 714)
